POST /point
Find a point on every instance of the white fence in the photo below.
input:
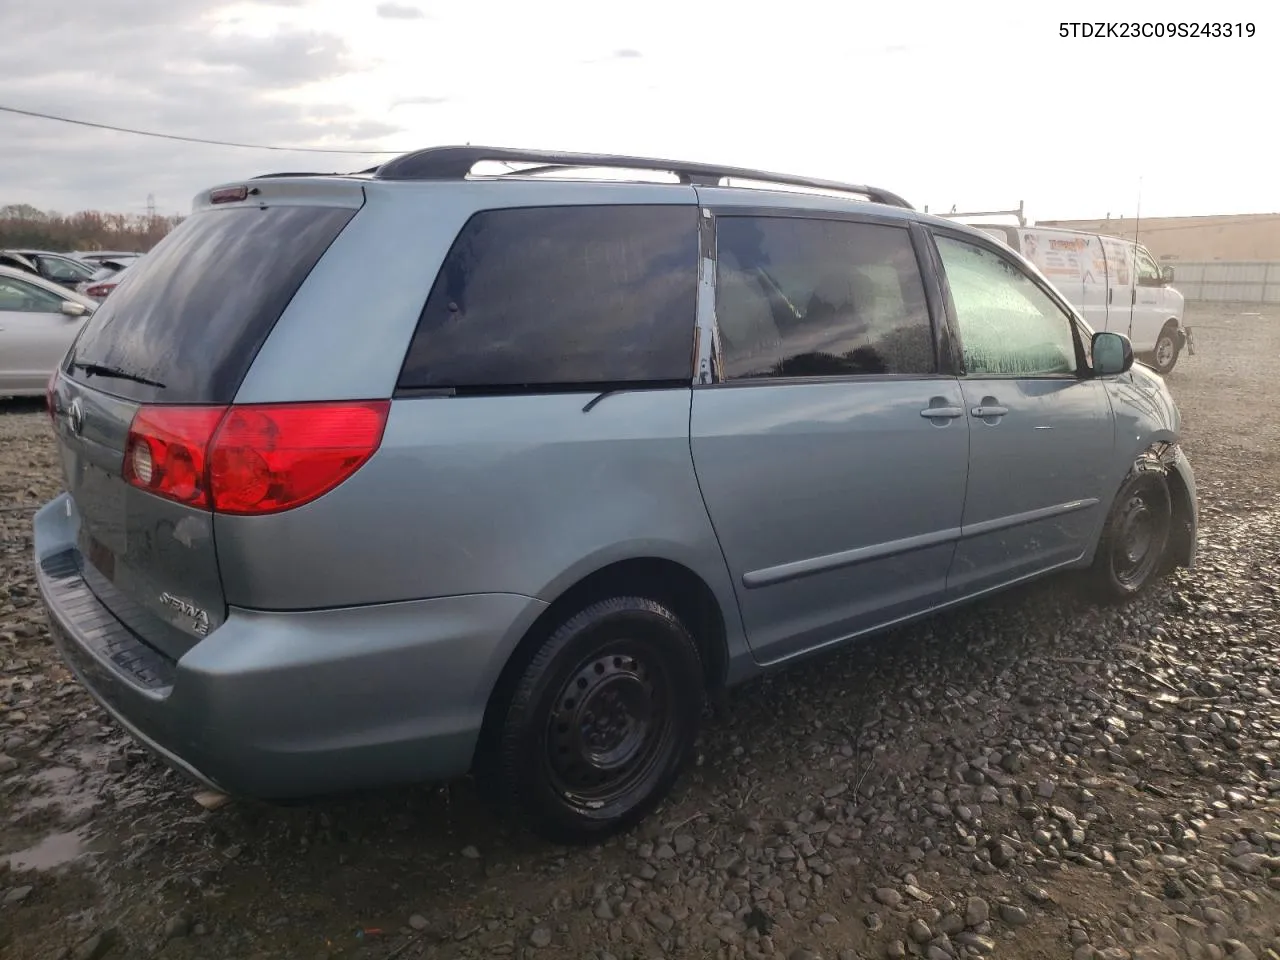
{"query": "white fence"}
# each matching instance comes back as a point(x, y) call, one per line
point(1219, 281)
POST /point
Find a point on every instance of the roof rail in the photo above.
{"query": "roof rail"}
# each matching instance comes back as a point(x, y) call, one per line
point(455, 163)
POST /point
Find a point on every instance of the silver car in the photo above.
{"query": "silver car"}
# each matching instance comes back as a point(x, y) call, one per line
point(38, 322)
point(386, 477)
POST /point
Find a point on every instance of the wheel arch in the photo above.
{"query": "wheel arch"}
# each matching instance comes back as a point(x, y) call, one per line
point(1162, 453)
point(664, 580)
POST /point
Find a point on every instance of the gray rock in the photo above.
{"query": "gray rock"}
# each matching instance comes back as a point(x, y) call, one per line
point(17, 895)
point(896, 950)
point(919, 931)
point(684, 843)
point(1249, 863)
point(915, 893)
point(888, 896)
point(951, 924)
point(540, 938)
point(1002, 855)
point(95, 947)
point(1037, 894)
point(471, 853)
point(177, 927)
point(7, 763)
point(603, 911)
point(1013, 915)
point(418, 922)
point(976, 911)
point(873, 922)
point(804, 953)
point(976, 941)
point(661, 922)
point(1045, 789)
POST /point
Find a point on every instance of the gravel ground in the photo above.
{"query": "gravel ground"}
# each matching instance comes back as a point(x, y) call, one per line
point(1030, 777)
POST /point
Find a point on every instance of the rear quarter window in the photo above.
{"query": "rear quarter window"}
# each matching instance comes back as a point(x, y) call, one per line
point(561, 298)
point(193, 313)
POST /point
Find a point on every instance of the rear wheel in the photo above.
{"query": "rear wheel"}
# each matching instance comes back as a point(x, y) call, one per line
point(1165, 355)
point(1134, 542)
point(601, 721)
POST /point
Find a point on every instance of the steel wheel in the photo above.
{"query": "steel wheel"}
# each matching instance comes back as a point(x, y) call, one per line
point(600, 721)
point(1136, 537)
point(1165, 354)
point(1135, 550)
point(608, 725)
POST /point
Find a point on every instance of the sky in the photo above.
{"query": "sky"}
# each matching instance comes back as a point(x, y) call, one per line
point(976, 105)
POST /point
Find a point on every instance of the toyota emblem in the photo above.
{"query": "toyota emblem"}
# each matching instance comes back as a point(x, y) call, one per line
point(75, 417)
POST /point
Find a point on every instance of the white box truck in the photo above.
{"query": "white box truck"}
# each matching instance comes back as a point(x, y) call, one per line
point(1115, 284)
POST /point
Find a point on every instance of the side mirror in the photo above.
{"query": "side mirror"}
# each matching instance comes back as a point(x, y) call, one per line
point(1112, 354)
point(72, 309)
point(1166, 274)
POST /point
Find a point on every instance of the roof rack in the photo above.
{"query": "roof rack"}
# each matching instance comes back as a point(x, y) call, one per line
point(1020, 213)
point(455, 163)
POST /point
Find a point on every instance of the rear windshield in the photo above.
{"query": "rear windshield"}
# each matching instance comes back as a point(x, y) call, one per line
point(192, 314)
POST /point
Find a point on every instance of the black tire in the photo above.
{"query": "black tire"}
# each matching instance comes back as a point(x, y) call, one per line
point(1135, 540)
point(601, 721)
point(1165, 356)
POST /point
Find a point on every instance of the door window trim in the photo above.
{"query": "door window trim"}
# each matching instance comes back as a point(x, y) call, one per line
point(40, 290)
point(1083, 370)
point(710, 357)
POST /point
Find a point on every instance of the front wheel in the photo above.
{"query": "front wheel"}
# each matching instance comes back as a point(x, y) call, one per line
point(1135, 539)
point(601, 721)
point(1168, 347)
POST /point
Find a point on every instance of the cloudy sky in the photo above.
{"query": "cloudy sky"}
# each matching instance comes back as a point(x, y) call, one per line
point(978, 104)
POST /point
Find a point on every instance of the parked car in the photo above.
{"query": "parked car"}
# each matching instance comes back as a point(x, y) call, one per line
point(386, 477)
point(58, 268)
point(103, 282)
point(38, 321)
point(105, 256)
point(15, 261)
point(1116, 283)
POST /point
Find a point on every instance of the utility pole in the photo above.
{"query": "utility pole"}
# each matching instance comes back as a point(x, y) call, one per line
point(151, 206)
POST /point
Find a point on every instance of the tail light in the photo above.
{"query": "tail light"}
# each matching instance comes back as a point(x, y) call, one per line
point(251, 459)
point(99, 289)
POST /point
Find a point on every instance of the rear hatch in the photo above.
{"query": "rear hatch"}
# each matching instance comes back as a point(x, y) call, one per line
point(172, 344)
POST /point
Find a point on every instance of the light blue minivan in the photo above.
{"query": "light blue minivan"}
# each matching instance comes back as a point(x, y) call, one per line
point(392, 476)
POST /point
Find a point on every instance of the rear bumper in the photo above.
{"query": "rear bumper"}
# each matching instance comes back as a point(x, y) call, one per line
point(280, 705)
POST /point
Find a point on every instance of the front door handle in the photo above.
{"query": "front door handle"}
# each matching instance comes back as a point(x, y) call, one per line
point(989, 411)
point(949, 413)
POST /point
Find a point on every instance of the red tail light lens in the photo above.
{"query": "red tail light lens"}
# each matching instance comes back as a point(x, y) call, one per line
point(251, 459)
point(166, 453)
point(274, 457)
point(100, 289)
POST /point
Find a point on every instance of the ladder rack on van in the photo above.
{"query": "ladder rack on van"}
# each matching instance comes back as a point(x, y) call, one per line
point(1019, 213)
point(456, 163)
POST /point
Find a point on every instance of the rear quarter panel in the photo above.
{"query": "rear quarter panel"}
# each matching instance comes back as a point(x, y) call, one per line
point(522, 495)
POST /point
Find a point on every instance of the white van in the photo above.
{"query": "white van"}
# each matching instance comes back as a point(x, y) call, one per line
point(1115, 283)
